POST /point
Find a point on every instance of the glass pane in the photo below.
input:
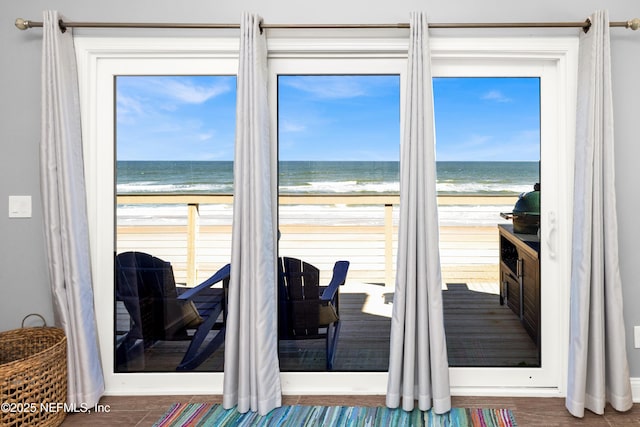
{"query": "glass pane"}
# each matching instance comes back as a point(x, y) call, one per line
point(174, 168)
point(339, 138)
point(488, 153)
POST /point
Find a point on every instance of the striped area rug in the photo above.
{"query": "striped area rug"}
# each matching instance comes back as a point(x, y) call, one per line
point(208, 414)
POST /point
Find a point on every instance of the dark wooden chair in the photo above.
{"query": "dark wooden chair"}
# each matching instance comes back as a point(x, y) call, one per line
point(306, 309)
point(160, 311)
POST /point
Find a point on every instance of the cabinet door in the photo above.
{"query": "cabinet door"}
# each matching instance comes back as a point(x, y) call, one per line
point(531, 295)
point(511, 290)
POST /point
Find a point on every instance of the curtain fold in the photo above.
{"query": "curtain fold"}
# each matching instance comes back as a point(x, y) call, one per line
point(65, 213)
point(251, 370)
point(418, 365)
point(598, 368)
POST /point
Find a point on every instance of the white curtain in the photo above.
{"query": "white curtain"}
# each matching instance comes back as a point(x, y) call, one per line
point(418, 366)
point(251, 370)
point(598, 369)
point(65, 213)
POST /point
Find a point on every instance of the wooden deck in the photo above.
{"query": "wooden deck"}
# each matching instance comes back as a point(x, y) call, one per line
point(480, 332)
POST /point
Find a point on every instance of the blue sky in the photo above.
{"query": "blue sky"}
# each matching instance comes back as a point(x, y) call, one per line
point(339, 117)
point(327, 118)
point(487, 118)
point(175, 118)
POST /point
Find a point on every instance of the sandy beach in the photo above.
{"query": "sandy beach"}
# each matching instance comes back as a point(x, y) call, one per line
point(364, 234)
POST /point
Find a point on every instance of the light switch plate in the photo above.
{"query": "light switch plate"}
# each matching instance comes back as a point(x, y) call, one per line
point(19, 206)
point(636, 336)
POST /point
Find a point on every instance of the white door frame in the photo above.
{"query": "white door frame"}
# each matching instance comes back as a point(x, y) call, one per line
point(554, 59)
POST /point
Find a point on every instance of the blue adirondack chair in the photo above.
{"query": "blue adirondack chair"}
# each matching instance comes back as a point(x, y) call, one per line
point(160, 311)
point(306, 309)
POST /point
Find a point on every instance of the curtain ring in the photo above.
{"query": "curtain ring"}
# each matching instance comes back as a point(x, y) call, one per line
point(587, 25)
point(62, 25)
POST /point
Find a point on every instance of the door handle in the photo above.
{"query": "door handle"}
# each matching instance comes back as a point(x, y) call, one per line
point(551, 235)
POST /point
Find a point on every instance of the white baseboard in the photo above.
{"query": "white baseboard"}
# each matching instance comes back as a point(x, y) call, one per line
point(635, 389)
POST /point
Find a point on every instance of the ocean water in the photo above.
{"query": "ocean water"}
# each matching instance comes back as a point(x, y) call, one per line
point(301, 177)
point(310, 177)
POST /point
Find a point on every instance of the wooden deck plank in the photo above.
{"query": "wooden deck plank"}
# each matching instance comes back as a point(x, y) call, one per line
point(479, 331)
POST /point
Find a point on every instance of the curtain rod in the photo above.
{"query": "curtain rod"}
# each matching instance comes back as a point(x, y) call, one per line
point(24, 24)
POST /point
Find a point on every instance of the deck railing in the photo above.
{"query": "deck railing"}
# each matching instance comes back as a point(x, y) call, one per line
point(197, 246)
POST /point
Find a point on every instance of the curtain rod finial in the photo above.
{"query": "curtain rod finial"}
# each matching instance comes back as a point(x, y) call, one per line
point(22, 24)
point(634, 24)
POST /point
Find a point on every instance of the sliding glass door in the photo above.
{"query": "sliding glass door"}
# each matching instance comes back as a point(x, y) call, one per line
point(339, 139)
point(550, 62)
point(488, 156)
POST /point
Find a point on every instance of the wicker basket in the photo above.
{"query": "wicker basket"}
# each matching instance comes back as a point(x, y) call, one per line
point(33, 376)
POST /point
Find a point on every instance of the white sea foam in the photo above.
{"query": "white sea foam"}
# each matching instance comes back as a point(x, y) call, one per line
point(327, 187)
point(480, 215)
point(154, 187)
point(342, 187)
point(222, 214)
point(482, 188)
point(346, 187)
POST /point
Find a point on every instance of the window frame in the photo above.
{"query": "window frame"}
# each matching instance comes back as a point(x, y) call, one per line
point(100, 58)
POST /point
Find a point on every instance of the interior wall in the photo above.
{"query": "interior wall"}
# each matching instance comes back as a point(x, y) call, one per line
point(23, 268)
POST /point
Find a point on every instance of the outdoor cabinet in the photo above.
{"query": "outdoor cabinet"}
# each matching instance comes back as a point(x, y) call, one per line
point(520, 277)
